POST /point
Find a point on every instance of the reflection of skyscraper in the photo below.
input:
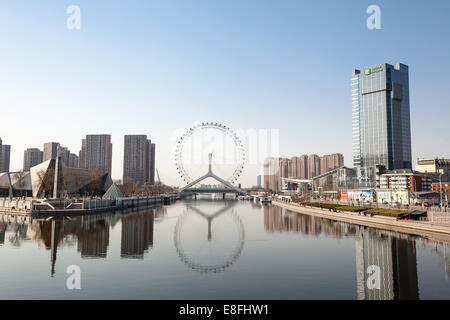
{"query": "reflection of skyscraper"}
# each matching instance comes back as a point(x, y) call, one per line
point(93, 240)
point(137, 234)
point(396, 259)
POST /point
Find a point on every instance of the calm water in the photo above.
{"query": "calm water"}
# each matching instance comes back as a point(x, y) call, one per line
point(208, 249)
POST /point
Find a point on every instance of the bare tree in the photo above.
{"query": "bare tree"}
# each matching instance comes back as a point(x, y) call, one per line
point(20, 181)
point(46, 181)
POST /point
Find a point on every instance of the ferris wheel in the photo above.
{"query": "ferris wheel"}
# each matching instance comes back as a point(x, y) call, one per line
point(239, 152)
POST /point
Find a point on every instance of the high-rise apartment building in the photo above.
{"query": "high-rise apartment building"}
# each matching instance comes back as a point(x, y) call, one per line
point(96, 152)
point(303, 167)
point(32, 157)
point(82, 155)
point(313, 166)
point(138, 159)
point(5, 156)
point(68, 159)
point(73, 161)
point(330, 162)
point(381, 129)
point(152, 162)
point(50, 151)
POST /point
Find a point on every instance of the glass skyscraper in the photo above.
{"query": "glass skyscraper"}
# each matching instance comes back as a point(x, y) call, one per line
point(381, 129)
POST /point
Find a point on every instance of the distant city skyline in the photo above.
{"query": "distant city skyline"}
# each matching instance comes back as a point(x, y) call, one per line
point(301, 167)
point(146, 68)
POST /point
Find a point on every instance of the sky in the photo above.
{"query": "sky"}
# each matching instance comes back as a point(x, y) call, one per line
point(158, 67)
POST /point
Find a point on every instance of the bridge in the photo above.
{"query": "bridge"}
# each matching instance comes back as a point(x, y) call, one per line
point(226, 186)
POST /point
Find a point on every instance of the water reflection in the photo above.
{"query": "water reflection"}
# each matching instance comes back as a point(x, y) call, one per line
point(137, 235)
point(192, 238)
point(90, 234)
point(212, 247)
point(395, 254)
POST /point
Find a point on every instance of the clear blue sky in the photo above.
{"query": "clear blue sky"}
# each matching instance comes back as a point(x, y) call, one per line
point(152, 67)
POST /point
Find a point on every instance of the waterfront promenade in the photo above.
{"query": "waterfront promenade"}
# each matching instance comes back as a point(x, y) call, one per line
point(30, 206)
point(422, 228)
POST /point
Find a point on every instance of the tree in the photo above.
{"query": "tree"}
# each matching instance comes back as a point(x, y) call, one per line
point(133, 189)
point(20, 181)
point(46, 181)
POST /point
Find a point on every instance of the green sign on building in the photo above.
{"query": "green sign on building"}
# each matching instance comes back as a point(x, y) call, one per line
point(369, 71)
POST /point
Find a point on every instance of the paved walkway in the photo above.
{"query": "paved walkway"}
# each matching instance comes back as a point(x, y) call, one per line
point(412, 227)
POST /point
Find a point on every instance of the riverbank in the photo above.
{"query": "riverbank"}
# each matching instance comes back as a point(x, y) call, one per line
point(421, 228)
point(29, 206)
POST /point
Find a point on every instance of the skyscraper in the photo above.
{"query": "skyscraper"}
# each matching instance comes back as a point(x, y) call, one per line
point(50, 151)
point(136, 159)
point(32, 157)
point(82, 155)
point(73, 161)
point(97, 152)
point(313, 166)
point(68, 159)
point(302, 167)
point(151, 176)
point(5, 155)
point(381, 129)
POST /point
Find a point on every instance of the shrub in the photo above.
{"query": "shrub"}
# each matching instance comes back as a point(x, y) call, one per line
point(377, 211)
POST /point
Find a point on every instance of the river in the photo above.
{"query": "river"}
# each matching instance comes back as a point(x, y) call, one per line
point(216, 249)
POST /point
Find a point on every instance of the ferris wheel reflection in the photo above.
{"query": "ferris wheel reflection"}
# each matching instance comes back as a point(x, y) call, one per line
point(211, 248)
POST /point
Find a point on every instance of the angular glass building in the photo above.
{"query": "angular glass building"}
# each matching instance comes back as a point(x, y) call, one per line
point(381, 129)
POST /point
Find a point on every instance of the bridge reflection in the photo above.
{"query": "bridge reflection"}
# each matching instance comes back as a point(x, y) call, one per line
point(217, 246)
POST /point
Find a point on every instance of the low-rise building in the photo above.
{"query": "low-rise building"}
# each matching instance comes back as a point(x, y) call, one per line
point(433, 165)
point(405, 179)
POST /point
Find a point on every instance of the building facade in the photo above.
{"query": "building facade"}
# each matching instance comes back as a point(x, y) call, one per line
point(405, 179)
point(433, 165)
point(50, 151)
point(5, 156)
point(313, 166)
point(68, 159)
point(152, 162)
point(381, 129)
point(298, 168)
point(138, 160)
point(32, 157)
point(96, 152)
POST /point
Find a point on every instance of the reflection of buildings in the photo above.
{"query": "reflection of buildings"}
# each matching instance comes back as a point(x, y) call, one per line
point(137, 235)
point(394, 254)
point(277, 219)
point(89, 233)
point(396, 258)
point(93, 240)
